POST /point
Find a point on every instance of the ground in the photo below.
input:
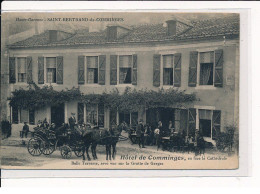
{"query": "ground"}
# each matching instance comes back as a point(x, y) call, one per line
point(128, 157)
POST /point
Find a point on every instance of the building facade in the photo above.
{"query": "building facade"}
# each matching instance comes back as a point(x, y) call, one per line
point(200, 57)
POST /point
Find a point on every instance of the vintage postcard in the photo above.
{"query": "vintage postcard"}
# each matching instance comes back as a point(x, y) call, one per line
point(120, 90)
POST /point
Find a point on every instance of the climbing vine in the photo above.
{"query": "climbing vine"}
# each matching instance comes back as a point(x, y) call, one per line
point(129, 101)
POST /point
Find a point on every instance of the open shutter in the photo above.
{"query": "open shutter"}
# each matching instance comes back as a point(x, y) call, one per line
point(80, 113)
point(134, 81)
point(113, 69)
point(156, 70)
point(102, 70)
point(177, 70)
point(29, 69)
point(216, 123)
point(218, 82)
point(40, 70)
point(81, 62)
point(12, 70)
point(193, 69)
point(192, 121)
point(60, 70)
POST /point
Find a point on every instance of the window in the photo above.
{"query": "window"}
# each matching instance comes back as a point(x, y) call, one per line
point(51, 69)
point(167, 69)
point(92, 70)
point(125, 69)
point(124, 117)
point(131, 119)
point(21, 69)
point(95, 114)
point(22, 115)
point(206, 68)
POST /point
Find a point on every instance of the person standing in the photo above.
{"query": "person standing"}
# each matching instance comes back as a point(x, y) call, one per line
point(72, 121)
point(140, 133)
point(25, 130)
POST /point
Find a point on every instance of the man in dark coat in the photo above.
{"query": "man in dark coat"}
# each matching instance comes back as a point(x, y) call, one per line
point(140, 133)
point(72, 121)
point(25, 130)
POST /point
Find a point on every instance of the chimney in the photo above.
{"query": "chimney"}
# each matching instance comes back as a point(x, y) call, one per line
point(53, 35)
point(171, 27)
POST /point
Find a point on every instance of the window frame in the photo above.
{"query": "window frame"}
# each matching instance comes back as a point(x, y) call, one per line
point(96, 107)
point(162, 70)
point(163, 53)
point(16, 69)
point(118, 115)
point(199, 66)
point(86, 70)
point(19, 116)
point(118, 69)
point(45, 69)
point(211, 109)
point(198, 86)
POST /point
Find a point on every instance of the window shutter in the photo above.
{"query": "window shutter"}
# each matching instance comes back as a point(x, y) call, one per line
point(192, 121)
point(40, 70)
point(102, 70)
point(60, 70)
point(81, 75)
point(177, 70)
point(134, 81)
point(193, 69)
point(15, 115)
point(156, 70)
point(31, 117)
point(113, 69)
point(80, 113)
point(29, 69)
point(218, 82)
point(216, 123)
point(12, 70)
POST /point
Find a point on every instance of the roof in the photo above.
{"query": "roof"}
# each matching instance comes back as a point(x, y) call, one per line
point(205, 29)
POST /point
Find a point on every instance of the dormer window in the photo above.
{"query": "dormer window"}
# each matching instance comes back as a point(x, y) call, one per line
point(171, 27)
point(53, 35)
point(116, 32)
point(111, 33)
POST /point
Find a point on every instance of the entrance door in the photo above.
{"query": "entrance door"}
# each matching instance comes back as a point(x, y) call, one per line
point(57, 114)
point(205, 127)
point(166, 115)
point(160, 114)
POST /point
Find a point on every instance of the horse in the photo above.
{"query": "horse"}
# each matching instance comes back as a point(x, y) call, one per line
point(95, 136)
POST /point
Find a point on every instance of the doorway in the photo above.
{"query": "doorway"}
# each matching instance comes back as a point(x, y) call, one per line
point(154, 115)
point(57, 114)
point(205, 127)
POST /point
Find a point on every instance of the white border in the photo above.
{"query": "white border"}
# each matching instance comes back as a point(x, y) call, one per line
point(245, 77)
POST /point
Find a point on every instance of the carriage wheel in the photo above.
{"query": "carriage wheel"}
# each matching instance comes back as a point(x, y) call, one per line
point(48, 148)
point(35, 146)
point(65, 152)
point(78, 151)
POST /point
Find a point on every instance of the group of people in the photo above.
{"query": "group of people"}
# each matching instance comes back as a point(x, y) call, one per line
point(154, 135)
point(148, 135)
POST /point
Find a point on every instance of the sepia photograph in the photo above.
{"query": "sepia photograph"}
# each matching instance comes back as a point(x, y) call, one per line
point(120, 90)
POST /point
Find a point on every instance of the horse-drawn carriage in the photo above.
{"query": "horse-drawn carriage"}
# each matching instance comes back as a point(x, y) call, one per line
point(46, 141)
